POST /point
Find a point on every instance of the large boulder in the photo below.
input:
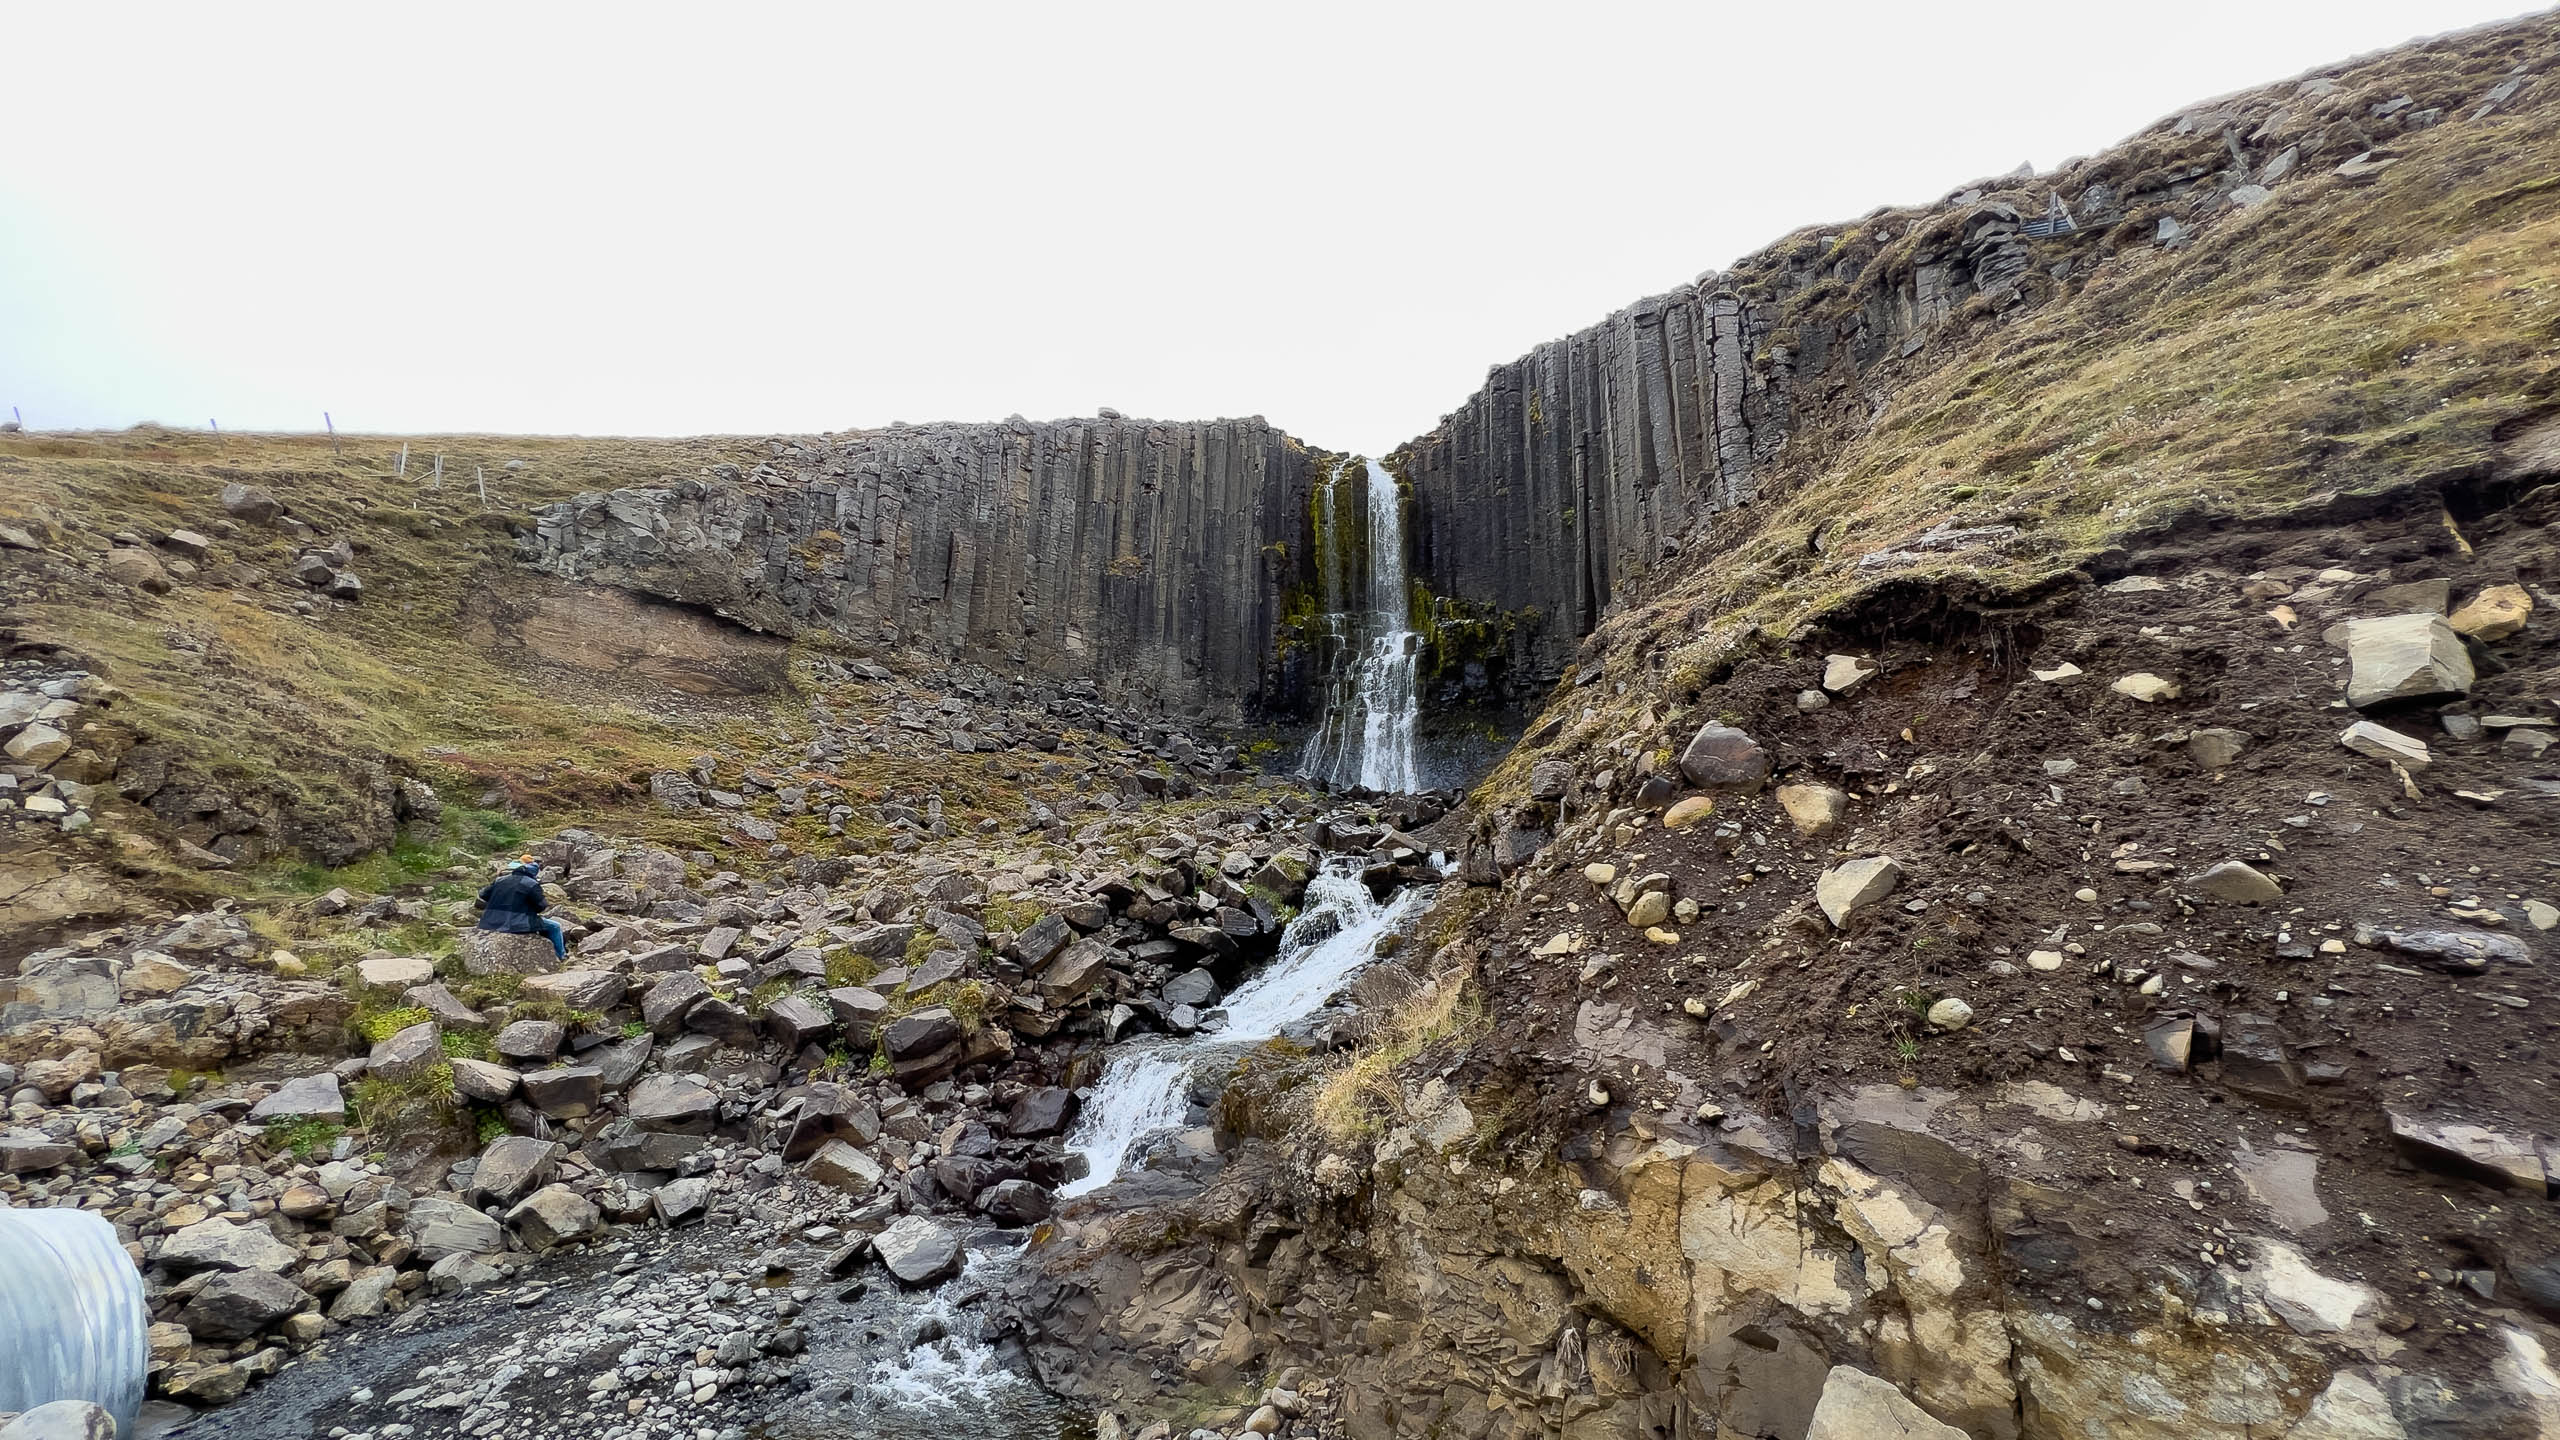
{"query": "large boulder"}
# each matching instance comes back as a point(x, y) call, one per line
point(408, 1053)
point(1075, 971)
point(1857, 1406)
point(553, 1215)
point(132, 565)
point(395, 972)
point(680, 1200)
point(440, 1225)
point(673, 1105)
point(564, 1092)
point(919, 1251)
point(840, 1165)
point(312, 1097)
point(512, 1167)
point(1041, 1111)
point(494, 952)
point(1719, 757)
point(217, 1244)
point(796, 1020)
point(486, 1083)
point(669, 1001)
point(2405, 658)
point(859, 1013)
point(249, 503)
point(1014, 1202)
point(528, 1042)
point(597, 990)
point(239, 1304)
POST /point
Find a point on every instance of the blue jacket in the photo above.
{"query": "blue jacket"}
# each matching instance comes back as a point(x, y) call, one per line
point(510, 903)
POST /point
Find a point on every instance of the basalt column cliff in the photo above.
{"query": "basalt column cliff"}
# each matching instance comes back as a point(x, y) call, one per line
point(1148, 556)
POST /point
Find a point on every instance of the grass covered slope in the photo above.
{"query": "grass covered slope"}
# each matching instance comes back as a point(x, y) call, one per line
point(289, 715)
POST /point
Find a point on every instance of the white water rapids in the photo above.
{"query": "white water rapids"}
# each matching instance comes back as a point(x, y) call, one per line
point(1145, 1089)
point(1366, 734)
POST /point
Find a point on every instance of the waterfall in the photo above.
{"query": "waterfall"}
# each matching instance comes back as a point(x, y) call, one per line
point(1366, 734)
point(1146, 1088)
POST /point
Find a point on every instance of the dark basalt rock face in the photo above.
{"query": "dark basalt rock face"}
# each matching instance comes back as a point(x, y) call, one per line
point(1149, 557)
point(1584, 461)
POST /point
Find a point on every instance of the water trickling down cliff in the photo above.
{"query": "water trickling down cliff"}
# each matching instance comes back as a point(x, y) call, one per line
point(1365, 736)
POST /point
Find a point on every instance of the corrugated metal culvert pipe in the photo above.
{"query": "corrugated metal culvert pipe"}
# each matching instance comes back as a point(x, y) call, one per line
point(72, 1321)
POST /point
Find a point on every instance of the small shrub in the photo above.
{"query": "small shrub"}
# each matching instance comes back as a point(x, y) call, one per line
point(466, 1044)
point(845, 967)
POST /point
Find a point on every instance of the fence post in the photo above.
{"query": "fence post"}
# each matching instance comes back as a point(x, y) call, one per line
point(333, 432)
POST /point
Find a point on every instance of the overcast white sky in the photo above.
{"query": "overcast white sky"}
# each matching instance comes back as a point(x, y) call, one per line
point(735, 218)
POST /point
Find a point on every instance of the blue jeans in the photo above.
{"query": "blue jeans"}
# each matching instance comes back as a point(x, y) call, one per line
point(559, 937)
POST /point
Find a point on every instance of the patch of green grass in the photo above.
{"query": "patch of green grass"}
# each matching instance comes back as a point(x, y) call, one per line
point(846, 967)
point(386, 1107)
point(378, 1025)
point(558, 1012)
point(761, 998)
point(466, 1044)
point(967, 1002)
point(921, 945)
point(1010, 912)
point(303, 1138)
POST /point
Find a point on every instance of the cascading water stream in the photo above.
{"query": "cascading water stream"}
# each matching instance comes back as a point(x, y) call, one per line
point(1366, 734)
point(1145, 1090)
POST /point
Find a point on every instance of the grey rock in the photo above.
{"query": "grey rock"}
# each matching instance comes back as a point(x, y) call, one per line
point(237, 1305)
point(2455, 951)
point(1041, 1111)
point(669, 1001)
point(840, 1165)
point(408, 1053)
point(312, 1097)
point(1014, 1202)
point(249, 503)
point(1849, 887)
point(553, 1215)
point(512, 1167)
point(2215, 748)
point(2417, 656)
point(796, 1020)
point(565, 1092)
point(217, 1244)
point(680, 1200)
point(529, 1041)
point(1719, 757)
point(597, 990)
point(30, 1152)
point(484, 1082)
point(673, 1105)
point(439, 1226)
point(918, 1251)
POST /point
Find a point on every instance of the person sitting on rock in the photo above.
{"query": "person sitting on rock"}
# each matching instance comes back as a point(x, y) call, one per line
point(513, 905)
